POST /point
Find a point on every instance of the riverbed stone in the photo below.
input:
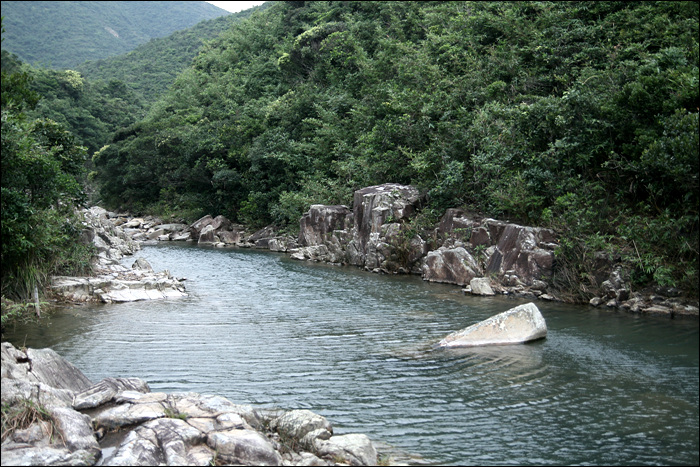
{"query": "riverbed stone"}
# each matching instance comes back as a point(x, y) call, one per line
point(142, 265)
point(106, 390)
point(521, 324)
point(481, 286)
point(355, 449)
point(299, 424)
point(245, 447)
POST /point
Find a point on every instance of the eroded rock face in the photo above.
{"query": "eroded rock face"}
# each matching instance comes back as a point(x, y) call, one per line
point(521, 324)
point(156, 428)
point(370, 236)
point(377, 205)
point(520, 249)
point(317, 225)
point(515, 255)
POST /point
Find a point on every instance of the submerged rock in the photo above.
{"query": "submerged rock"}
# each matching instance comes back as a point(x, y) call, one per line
point(521, 324)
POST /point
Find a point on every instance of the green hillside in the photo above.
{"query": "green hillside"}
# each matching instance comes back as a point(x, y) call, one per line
point(151, 67)
point(577, 116)
point(580, 116)
point(66, 33)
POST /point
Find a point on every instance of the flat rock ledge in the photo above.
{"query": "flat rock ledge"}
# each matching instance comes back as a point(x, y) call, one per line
point(119, 421)
point(121, 285)
point(521, 324)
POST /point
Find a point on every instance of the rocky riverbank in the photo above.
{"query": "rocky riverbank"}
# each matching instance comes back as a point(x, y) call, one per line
point(112, 281)
point(54, 415)
point(483, 256)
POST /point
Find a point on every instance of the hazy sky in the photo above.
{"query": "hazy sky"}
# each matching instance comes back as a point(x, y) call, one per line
point(235, 7)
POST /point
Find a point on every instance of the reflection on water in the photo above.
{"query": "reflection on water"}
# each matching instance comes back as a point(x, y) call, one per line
point(603, 387)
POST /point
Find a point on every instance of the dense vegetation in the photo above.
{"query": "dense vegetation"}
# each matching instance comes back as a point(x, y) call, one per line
point(581, 116)
point(67, 33)
point(42, 182)
point(98, 98)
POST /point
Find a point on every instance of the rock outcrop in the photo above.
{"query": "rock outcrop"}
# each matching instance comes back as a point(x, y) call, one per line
point(372, 235)
point(119, 421)
point(517, 257)
point(375, 235)
point(112, 281)
point(379, 234)
point(521, 324)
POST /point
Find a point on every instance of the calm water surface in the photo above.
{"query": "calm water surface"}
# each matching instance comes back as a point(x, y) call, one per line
point(604, 387)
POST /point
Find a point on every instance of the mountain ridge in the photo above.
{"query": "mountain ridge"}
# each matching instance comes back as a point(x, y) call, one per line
point(66, 34)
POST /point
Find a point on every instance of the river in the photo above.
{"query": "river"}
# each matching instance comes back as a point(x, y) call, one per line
point(604, 388)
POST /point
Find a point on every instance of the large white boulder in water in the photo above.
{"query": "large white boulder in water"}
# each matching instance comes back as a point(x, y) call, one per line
point(520, 324)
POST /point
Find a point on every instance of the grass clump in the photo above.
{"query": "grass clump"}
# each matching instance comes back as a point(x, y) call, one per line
point(23, 414)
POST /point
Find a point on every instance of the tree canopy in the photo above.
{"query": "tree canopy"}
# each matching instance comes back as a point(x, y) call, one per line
point(578, 115)
point(42, 183)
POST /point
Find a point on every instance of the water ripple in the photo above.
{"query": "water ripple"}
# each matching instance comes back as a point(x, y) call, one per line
point(604, 388)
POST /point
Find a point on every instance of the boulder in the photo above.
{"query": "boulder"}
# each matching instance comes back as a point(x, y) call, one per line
point(450, 265)
point(355, 449)
point(302, 425)
point(208, 235)
point(481, 286)
point(230, 237)
point(523, 323)
point(142, 264)
point(262, 237)
point(243, 447)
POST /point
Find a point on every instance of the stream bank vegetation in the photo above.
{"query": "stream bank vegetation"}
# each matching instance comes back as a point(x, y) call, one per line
point(577, 116)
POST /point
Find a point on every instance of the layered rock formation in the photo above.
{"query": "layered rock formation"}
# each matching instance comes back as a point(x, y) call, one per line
point(118, 421)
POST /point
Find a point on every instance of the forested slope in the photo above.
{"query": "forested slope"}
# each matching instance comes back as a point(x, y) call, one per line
point(151, 67)
point(97, 98)
point(66, 33)
point(581, 116)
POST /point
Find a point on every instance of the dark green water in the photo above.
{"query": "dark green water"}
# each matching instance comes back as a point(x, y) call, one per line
point(604, 388)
